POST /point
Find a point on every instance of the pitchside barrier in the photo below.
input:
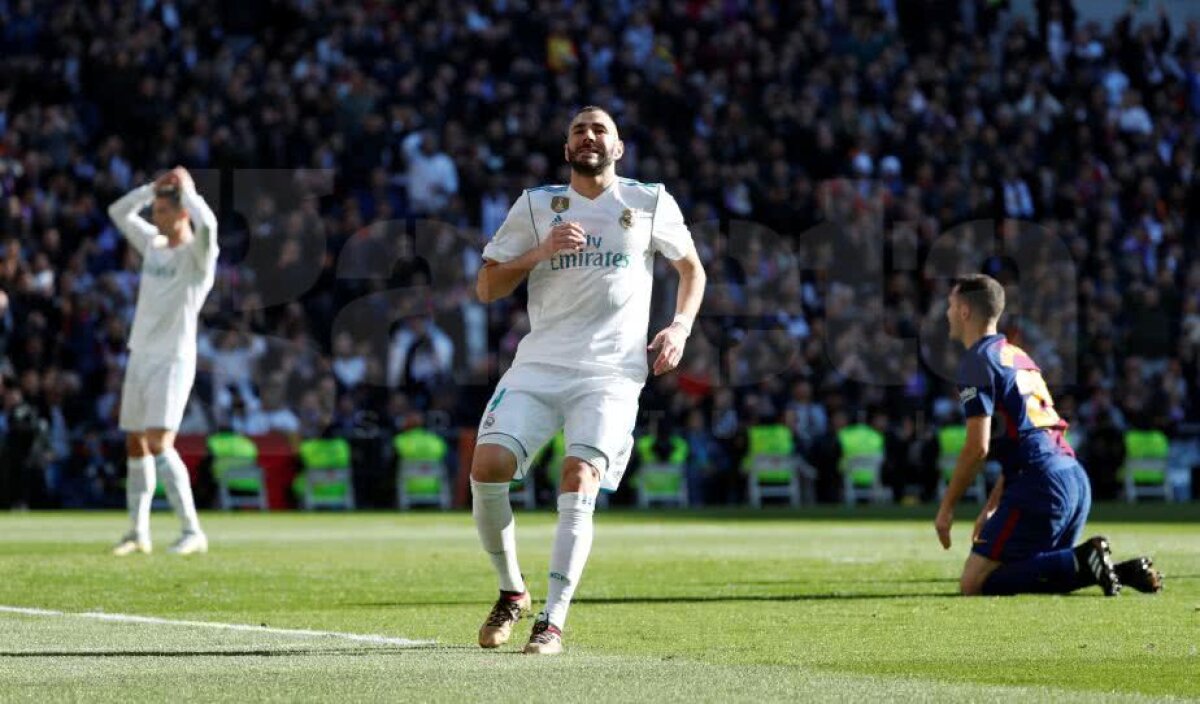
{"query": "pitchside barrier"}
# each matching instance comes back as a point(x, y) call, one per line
point(278, 458)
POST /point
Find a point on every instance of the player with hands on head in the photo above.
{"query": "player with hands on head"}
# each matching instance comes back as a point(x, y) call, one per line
point(179, 255)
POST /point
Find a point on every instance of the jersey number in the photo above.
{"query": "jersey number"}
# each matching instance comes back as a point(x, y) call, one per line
point(1038, 404)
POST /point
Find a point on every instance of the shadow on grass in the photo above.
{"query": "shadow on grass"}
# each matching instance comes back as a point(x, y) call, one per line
point(1184, 512)
point(800, 582)
point(830, 596)
point(684, 599)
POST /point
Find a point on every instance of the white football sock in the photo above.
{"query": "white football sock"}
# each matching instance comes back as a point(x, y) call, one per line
point(139, 493)
point(175, 477)
point(497, 531)
point(572, 543)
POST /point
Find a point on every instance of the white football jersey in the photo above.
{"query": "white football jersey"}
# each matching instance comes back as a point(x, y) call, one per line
point(175, 280)
point(590, 310)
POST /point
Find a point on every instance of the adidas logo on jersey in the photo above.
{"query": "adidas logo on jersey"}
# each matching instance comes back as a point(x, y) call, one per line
point(556, 221)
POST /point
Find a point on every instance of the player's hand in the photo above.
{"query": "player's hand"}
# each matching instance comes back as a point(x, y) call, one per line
point(564, 237)
point(167, 180)
point(184, 178)
point(669, 342)
point(945, 519)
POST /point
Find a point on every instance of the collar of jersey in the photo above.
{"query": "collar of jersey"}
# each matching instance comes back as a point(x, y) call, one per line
point(984, 340)
point(611, 187)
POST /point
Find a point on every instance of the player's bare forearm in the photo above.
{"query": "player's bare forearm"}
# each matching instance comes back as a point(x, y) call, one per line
point(496, 280)
point(692, 281)
point(499, 279)
point(964, 475)
point(970, 461)
point(968, 464)
point(670, 341)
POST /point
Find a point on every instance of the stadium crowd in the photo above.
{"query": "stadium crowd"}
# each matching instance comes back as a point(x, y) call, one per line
point(359, 155)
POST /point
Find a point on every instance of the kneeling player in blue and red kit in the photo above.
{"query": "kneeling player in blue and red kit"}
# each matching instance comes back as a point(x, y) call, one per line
point(1024, 536)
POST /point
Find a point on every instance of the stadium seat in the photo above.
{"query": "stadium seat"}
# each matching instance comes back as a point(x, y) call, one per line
point(421, 478)
point(950, 443)
point(1145, 469)
point(862, 464)
point(236, 471)
point(660, 482)
point(772, 467)
point(325, 479)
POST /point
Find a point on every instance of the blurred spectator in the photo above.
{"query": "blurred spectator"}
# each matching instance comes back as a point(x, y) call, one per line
point(420, 356)
point(349, 367)
point(22, 459)
point(6, 330)
point(269, 417)
point(234, 361)
point(806, 417)
point(881, 126)
point(432, 176)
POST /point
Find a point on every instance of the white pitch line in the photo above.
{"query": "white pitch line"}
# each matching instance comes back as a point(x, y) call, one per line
point(129, 618)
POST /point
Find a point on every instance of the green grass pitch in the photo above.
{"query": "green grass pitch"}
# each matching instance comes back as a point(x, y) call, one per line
point(822, 605)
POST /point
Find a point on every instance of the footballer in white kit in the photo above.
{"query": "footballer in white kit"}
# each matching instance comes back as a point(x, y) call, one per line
point(179, 256)
point(588, 250)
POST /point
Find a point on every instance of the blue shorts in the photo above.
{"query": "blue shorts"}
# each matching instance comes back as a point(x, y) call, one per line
point(1041, 510)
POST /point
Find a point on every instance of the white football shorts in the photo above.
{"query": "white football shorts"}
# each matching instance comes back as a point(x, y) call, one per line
point(155, 392)
point(533, 402)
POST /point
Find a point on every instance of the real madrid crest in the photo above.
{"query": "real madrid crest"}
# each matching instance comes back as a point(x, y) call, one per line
point(626, 218)
point(560, 203)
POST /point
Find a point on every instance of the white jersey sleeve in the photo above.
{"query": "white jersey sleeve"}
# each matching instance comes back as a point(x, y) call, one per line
point(516, 235)
point(125, 212)
point(204, 247)
point(670, 234)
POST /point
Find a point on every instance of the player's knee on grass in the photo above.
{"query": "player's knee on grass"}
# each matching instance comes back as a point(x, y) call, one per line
point(135, 445)
point(580, 476)
point(493, 463)
point(975, 573)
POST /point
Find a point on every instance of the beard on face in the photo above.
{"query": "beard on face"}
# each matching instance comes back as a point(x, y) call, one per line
point(583, 168)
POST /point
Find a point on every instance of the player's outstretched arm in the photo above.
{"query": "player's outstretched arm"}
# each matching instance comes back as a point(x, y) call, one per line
point(125, 215)
point(499, 279)
point(970, 461)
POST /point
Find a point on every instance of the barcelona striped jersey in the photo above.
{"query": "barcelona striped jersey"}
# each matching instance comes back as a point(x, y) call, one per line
point(998, 379)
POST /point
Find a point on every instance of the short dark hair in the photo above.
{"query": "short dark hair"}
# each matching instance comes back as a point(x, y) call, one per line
point(983, 294)
point(172, 194)
point(590, 108)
